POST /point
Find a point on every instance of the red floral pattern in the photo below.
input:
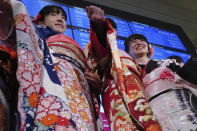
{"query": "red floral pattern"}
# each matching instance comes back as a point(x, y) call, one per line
point(167, 75)
point(49, 105)
point(63, 121)
point(38, 108)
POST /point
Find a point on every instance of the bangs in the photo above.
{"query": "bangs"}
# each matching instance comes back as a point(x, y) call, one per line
point(132, 38)
point(52, 9)
point(57, 10)
point(139, 37)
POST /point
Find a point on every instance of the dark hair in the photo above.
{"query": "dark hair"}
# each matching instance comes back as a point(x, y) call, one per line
point(177, 58)
point(132, 38)
point(51, 9)
point(112, 22)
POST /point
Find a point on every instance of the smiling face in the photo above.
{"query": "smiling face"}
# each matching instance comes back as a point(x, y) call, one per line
point(139, 47)
point(56, 21)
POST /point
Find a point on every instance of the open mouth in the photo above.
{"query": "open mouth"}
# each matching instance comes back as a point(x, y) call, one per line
point(59, 25)
point(139, 47)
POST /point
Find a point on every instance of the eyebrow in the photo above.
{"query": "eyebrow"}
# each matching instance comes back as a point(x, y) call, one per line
point(59, 13)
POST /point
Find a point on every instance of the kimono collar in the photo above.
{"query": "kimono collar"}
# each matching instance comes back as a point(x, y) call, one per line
point(45, 31)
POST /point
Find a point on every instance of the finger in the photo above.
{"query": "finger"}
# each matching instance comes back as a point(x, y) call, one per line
point(88, 11)
point(93, 75)
point(99, 11)
point(102, 12)
point(98, 15)
point(93, 81)
point(87, 8)
point(94, 13)
point(91, 11)
point(89, 78)
point(89, 73)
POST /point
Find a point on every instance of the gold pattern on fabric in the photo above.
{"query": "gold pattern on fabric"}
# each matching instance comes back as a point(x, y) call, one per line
point(74, 53)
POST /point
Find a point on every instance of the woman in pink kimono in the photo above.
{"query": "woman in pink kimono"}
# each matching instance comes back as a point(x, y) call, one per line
point(169, 96)
point(53, 93)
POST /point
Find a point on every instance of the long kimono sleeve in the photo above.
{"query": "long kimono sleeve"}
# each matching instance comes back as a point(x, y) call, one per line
point(99, 54)
point(29, 70)
point(97, 49)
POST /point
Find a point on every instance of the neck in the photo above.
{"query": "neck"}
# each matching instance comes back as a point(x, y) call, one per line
point(143, 60)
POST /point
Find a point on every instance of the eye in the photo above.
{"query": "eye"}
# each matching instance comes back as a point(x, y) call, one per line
point(63, 18)
point(53, 14)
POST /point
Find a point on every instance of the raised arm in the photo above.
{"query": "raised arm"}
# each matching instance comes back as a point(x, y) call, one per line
point(97, 23)
point(100, 27)
point(6, 22)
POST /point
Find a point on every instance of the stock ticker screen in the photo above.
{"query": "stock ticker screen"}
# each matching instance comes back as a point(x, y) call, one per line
point(157, 36)
point(161, 53)
point(79, 26)
point(123, 29)
point(79, 17)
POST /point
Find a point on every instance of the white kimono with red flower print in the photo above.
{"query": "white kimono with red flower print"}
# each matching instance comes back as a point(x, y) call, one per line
point(53, 94)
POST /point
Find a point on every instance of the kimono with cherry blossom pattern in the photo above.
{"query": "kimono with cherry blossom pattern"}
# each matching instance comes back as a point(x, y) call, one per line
point(53, 93)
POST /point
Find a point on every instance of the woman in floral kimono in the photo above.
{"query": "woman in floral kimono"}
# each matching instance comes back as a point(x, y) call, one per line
point(53, 93)
point(122, 88)
point(169, 96)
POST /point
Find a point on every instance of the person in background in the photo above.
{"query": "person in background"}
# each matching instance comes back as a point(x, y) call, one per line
point(188, 73)
point(122, 97)
point(177, 59)
point(170, 99)
point(54, 93)
point(139, 48)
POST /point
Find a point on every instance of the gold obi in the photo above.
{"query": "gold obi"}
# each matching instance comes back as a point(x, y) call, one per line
point(64, 45)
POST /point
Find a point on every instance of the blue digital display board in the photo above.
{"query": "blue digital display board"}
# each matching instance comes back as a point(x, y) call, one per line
point(160, 53)
point(157, 36)
point(120, 44)
point(81, 37)
point(79, 17)
point(69, 33)
point(34, 6)
point(80, 25)
point(122, 26)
